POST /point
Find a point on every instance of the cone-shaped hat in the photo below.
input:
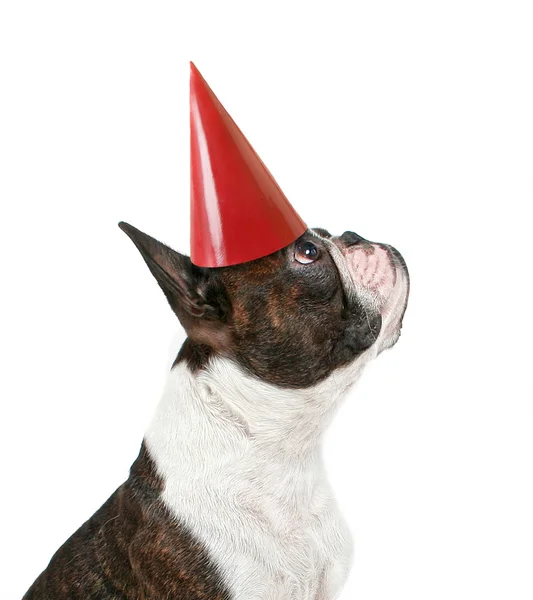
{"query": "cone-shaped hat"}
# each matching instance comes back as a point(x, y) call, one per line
point(238, 211)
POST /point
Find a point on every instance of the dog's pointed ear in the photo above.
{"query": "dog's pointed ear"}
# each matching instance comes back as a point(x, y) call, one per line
point(189, 289)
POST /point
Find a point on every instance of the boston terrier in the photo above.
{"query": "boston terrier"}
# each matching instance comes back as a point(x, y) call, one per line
point(228, 499)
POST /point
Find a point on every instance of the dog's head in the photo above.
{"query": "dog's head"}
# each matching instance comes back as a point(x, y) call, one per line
point(291, 318)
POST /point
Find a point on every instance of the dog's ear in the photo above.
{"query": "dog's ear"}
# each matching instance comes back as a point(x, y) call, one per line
point(194, 294)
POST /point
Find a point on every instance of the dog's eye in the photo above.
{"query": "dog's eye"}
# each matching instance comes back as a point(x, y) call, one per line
point(306, 252)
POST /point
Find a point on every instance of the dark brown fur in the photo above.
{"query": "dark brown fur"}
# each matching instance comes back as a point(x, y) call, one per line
point(131, 549)
point(292, 324)
point(287, 323)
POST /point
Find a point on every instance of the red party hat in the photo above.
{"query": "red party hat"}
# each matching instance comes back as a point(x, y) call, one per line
point(238, 211)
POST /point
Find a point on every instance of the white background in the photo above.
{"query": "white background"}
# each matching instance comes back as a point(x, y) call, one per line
point(408, 122)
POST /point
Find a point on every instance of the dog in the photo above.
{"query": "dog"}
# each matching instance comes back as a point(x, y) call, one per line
point(228, 499)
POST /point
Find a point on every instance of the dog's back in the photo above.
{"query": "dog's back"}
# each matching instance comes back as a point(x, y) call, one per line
point(130, 549)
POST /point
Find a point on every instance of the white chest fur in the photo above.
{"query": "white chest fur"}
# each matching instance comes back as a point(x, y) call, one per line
point(242, 469)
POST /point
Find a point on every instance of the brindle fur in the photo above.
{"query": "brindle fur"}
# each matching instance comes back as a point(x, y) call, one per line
point(131, 549)
point(287, 323)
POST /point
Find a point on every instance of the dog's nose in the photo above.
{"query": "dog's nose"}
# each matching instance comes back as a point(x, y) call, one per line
point(350, 238)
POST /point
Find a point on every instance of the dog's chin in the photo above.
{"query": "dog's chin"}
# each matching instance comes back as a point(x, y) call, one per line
point(381, 280)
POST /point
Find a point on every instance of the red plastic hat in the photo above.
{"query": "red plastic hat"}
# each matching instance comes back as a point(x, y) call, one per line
point(238, 211)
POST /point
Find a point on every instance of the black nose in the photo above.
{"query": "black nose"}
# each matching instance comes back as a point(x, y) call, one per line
point(350, 238)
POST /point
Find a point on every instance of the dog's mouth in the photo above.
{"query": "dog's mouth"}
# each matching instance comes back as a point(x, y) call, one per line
point(381, 281)
point(397, 302)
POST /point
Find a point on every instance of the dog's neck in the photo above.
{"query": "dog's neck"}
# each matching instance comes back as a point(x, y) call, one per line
point(221, 411)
